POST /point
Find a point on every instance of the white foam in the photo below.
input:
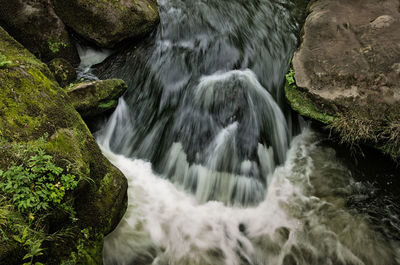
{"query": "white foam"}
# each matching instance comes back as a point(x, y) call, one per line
point(173, 228)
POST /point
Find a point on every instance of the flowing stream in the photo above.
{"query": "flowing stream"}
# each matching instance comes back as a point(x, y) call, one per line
point(218, 170)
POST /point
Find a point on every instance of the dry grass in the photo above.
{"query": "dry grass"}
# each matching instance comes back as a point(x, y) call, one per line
point(391, 134)
point(355, 128)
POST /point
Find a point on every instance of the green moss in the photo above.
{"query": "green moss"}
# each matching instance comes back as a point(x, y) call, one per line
point(375, 125)
point(93, 98)
point(56, 46)
point(88, 249)
point(301, 102)
point(33, 104)
point(4, 63)
point(108, 105)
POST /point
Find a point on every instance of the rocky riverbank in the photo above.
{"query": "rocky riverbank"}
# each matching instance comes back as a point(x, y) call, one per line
point(347, 71)
point(59, 196)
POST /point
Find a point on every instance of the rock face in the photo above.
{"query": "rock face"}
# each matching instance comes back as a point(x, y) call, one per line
point(108, 22)
point(32, 104)
point(96, 97)
point(37, 27)
point(348, 69)
point(63, 71)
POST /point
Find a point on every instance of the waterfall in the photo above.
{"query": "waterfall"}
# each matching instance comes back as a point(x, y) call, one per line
point(216, 173)
point(204, 104)
point(301, 220)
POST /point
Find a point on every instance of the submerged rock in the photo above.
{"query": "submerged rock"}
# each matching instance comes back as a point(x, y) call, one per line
point(33, 105)
point(347, 71)
point(63, 71)
point(108, 22)
point(96, 97)
point(38, 28)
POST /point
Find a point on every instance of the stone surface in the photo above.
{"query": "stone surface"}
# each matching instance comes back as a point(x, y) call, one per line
point(96, 97)
point(348, 67)
point(35, 25)
point(108, 22)
point(32, 105)
point(63, 71)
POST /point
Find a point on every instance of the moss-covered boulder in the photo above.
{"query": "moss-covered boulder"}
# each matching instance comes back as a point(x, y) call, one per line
point(63, 71)
point(33, 106)
point(347, 71)
point(96, 97)
point(108, 22)
point(38, 28)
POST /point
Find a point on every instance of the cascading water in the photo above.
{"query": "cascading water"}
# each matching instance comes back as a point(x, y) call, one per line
point(203, 133)
point(204, 98)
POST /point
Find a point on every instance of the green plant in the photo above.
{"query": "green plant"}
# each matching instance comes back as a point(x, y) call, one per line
point(4, 62)
point(290, 77)
point(37, 185)
point(56, 46)
point(33, 190)
point(31, 244)
point(300, 101)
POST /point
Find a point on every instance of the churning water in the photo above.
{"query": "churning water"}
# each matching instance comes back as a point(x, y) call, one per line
point(302, 220)
point(205, 140)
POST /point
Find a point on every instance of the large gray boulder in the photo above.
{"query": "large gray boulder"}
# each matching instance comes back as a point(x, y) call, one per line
point(347, 70)
point(108, 22)
point(36, 26)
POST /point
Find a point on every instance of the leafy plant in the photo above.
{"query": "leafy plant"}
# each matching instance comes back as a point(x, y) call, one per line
point(33, 246)
point(55, 46)
point(37, 185)
point(290, 77)
point(4, 62)
point(32, 189)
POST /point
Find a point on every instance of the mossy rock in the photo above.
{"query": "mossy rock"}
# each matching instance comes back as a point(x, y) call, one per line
point(345, 77)
point(63, 71)
point(32, 104)
point(108, 22)
point(35, 25)
point(96, 97)
point(303, 104)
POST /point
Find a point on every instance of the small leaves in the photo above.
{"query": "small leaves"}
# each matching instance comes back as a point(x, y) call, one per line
point(4, 63)
point(37, 188)
point(38, 185)
point(290, 77)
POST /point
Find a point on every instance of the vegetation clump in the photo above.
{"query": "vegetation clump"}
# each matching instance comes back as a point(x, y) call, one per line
point(373, 125)
point(301, 103)
point(32, 192)
point(37, 185)
point(4, 63)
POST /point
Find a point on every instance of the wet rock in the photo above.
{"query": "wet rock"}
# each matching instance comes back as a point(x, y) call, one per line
point(32, 105)
point(63, 71)
point(346, 71)
point(36, 26)
point(281, 235)
point(108, 22)
point(96, 97)
point(289, 260)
